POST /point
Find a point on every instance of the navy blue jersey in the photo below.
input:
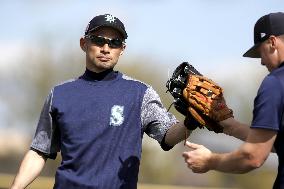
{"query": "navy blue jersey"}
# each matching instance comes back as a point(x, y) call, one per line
point(268, 114)
point(98, 126)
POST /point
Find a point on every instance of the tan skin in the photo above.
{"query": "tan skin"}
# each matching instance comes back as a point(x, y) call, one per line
point(99, 59)
point(258, 142)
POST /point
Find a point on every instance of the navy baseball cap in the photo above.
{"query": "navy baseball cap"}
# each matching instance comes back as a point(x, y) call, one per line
point(267, 25)
point(107, 20)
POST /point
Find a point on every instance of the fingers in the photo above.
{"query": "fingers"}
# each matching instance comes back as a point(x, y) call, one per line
point(191, 162)
point(198, 158)
point(196, 116)
point(195, 81)
point(193, 146)
point(205, 79)
point(185, 155)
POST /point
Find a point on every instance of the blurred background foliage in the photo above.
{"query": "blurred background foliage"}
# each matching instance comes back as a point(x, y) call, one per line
point(27, 84)
point(39, 45)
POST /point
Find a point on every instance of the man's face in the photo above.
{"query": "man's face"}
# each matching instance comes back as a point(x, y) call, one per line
point(100, 56)
point(268, 54)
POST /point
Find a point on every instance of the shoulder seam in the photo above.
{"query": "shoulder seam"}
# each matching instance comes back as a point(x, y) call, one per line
point(65, 82)
point(126, 77)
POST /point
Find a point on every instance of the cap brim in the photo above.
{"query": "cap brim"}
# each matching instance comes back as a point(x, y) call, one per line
point(124, 34)
point(253, 52)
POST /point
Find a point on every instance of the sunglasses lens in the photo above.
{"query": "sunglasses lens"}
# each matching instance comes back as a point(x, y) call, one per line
point(115, 43)
point(100, 41)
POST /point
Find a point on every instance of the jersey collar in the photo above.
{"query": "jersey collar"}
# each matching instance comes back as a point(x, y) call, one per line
point(102, 76)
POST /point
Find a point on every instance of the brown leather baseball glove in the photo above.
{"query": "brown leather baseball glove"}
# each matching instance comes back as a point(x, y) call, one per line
point(199, 99)
point(205, 97)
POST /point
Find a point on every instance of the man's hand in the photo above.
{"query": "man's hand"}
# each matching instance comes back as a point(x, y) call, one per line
point(198, 158)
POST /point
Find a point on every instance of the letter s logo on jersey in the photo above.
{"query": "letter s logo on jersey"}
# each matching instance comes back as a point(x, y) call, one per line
point(116, 117)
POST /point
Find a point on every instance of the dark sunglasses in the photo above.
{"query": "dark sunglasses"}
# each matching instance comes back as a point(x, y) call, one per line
point(101, 41)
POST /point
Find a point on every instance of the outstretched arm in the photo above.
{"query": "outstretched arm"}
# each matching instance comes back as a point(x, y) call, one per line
point(234, 128)
point(251, 155)
point(176, 134)
point(30, 168)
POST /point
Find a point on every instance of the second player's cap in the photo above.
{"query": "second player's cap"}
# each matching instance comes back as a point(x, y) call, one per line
point(106, 20)
point(267, 25)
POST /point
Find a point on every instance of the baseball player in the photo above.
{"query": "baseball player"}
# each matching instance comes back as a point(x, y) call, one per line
point(267, 128)
point(97, 120)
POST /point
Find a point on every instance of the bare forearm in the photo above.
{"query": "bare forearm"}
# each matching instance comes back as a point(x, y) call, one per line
point(30, 168)
point(234, 162)
point(250, 155)
point(176, 134)
point(237, 161)
point(234, 128)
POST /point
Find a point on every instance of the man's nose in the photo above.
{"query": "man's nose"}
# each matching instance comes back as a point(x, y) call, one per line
point(105, 48)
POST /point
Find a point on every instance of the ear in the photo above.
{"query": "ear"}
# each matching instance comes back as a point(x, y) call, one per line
point(83, 44)
point(123, 48)
point(273, 42)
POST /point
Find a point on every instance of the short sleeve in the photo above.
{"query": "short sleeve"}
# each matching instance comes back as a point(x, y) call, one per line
point(46, 138)
point(154, 117)
point(268, 105)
